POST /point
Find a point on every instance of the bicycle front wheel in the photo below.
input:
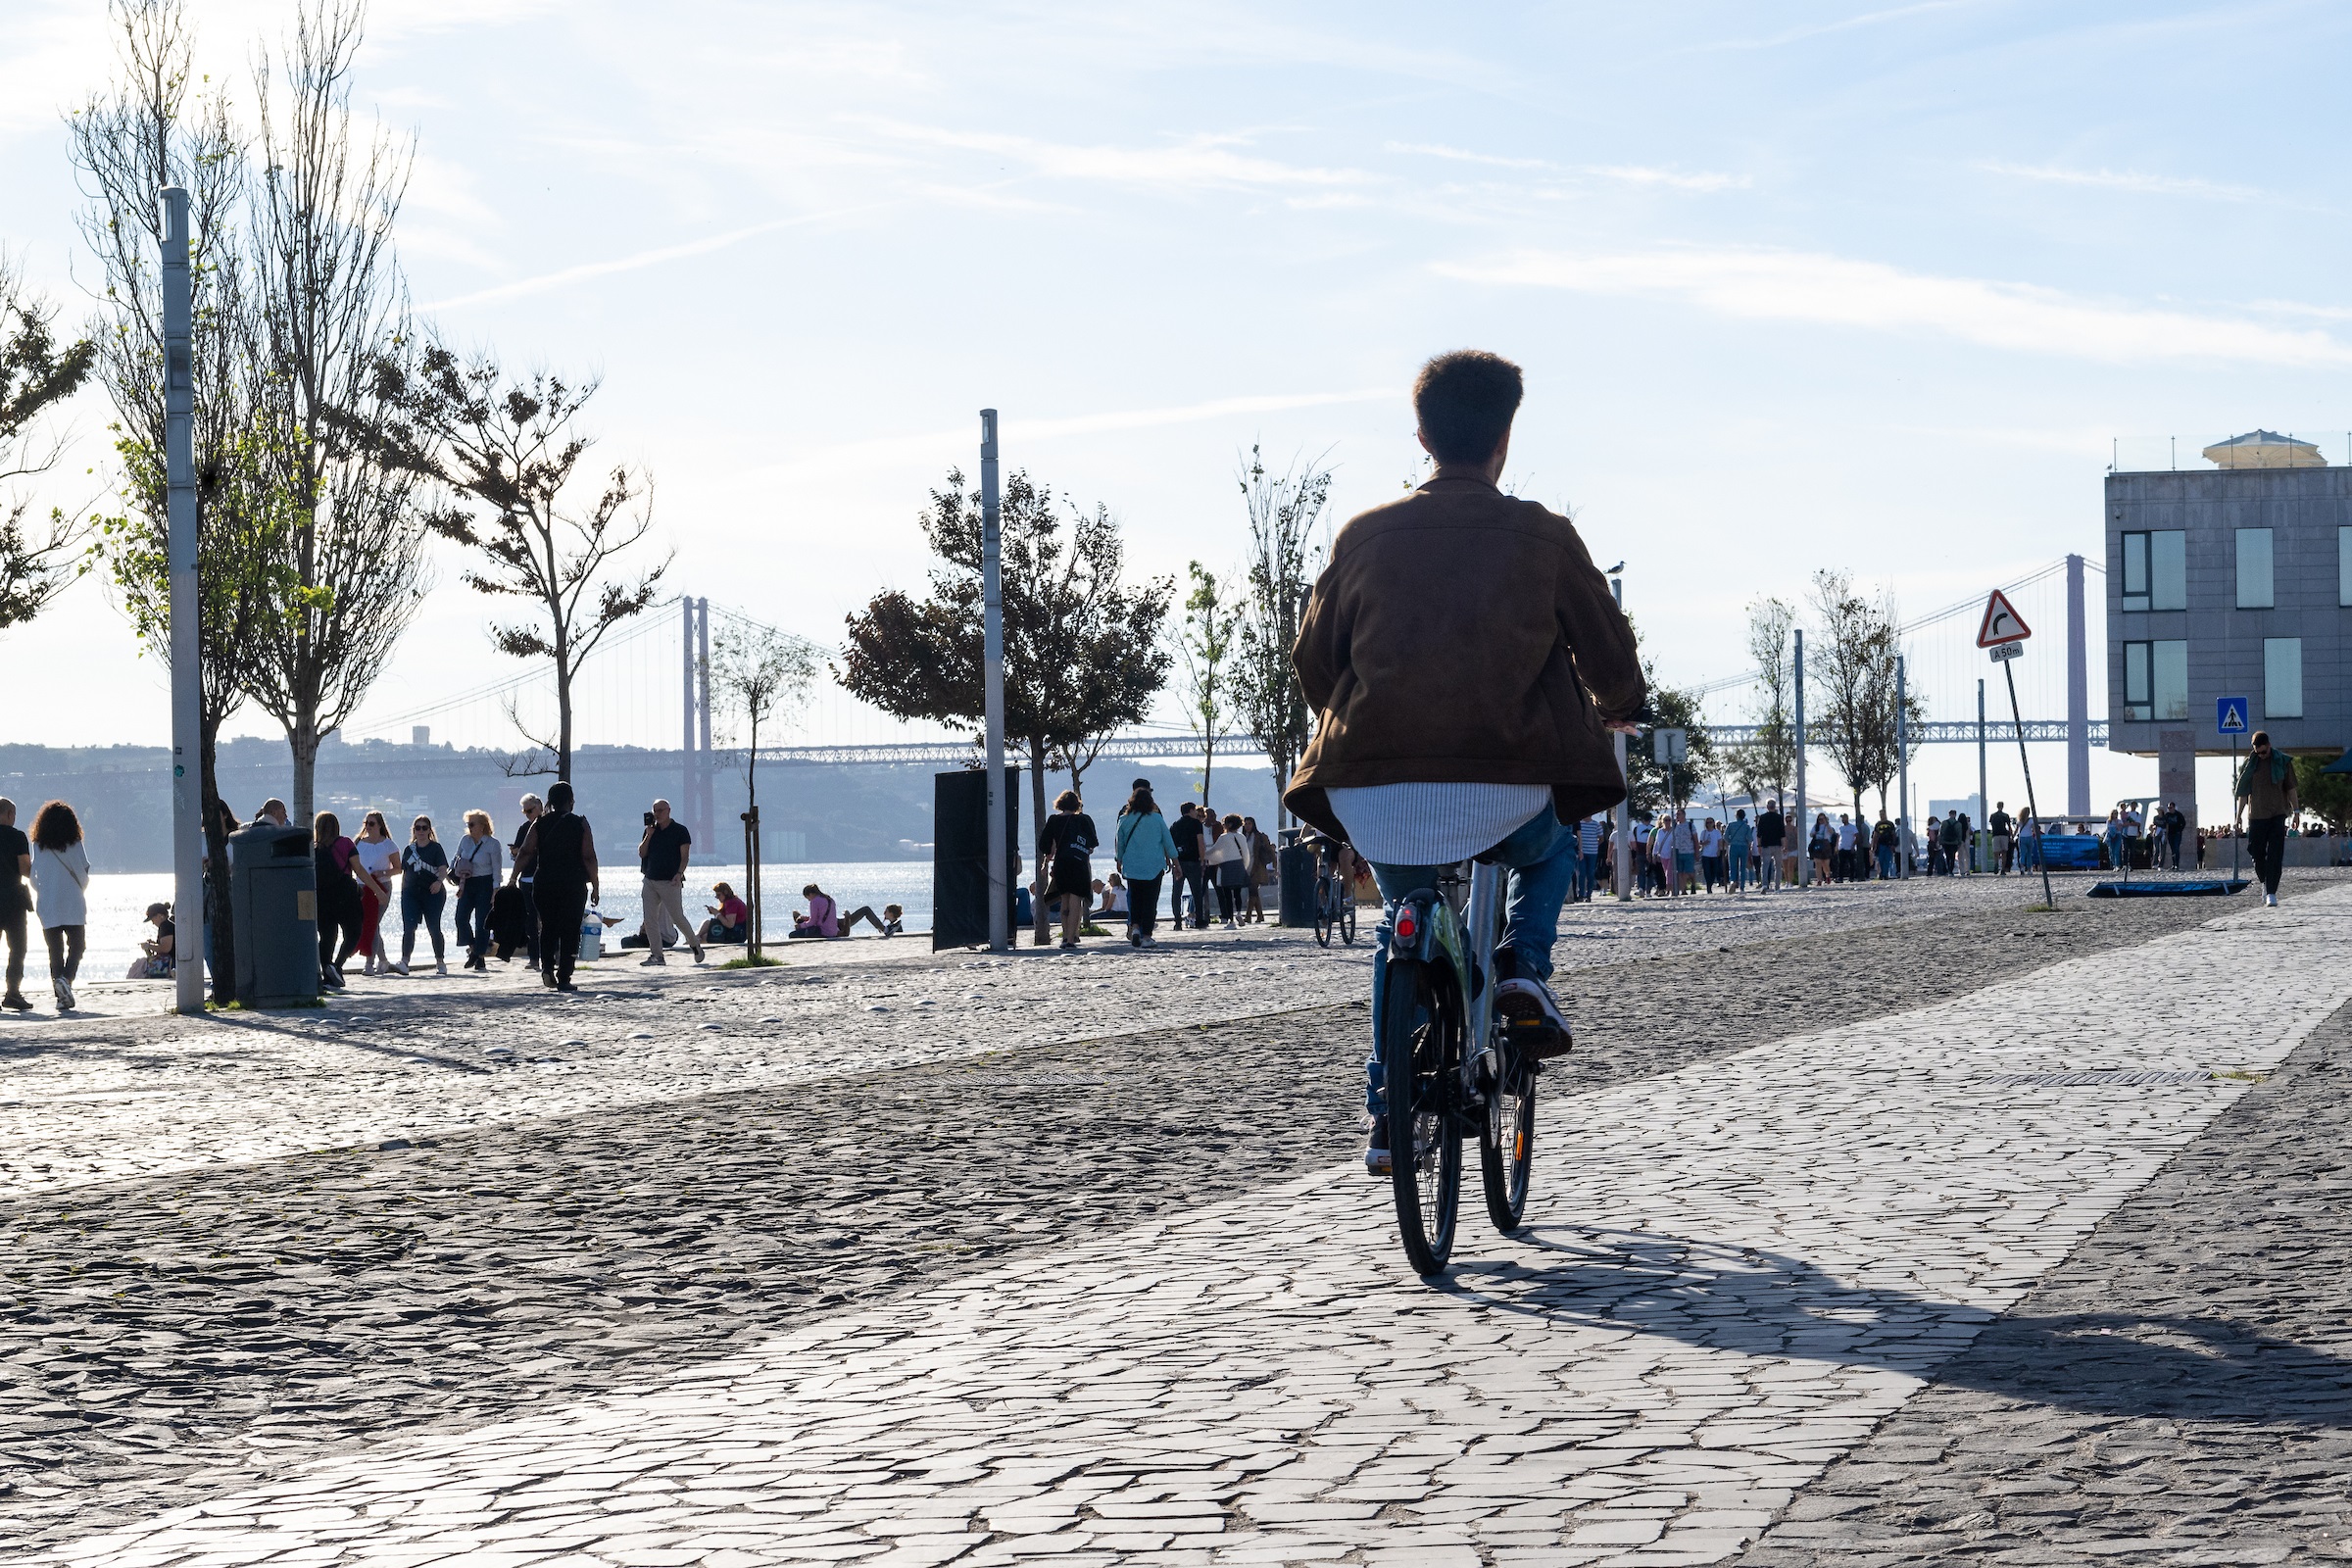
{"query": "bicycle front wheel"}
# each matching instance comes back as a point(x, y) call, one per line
point(1323, 910)
point(1347, 919)
point(1421, 1058)
point(1508, 1145)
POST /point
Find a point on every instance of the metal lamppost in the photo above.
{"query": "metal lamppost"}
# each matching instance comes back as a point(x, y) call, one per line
point(1621, 841)
point(992, 680)
point(1804, 843)
point(1902, 761)
point(180, 477)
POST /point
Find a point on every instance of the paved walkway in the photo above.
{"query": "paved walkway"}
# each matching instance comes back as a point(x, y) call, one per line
point(1735, 1273)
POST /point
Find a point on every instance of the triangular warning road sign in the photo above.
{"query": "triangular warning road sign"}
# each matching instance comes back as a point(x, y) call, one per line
point(2002, 623)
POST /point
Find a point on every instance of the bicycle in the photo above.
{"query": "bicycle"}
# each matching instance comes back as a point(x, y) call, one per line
point(1334, 902)
point(1448, 1071)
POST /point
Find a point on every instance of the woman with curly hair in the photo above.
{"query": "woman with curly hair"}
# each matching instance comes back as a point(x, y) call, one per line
point(61, 879)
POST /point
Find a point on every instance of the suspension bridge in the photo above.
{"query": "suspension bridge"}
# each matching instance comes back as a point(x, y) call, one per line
point(645, 691)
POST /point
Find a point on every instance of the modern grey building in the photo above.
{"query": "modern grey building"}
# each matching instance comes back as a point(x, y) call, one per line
point(2229, 581)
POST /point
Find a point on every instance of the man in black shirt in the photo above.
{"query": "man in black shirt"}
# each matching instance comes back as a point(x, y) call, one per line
point(2002, 837)
point(16, 860)
point(663, 853)
point(1192, 874)
point(1772, 832)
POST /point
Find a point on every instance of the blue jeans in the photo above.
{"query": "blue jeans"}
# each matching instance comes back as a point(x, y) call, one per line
point(1542, 857)
point(473, 915)
point(1887, 862)
point(1740, 870)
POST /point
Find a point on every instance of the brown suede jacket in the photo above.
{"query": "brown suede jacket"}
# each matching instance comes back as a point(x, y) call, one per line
point(1461, 636)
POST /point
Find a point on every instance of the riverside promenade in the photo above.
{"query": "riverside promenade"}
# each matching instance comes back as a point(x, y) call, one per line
point(1877, 1224)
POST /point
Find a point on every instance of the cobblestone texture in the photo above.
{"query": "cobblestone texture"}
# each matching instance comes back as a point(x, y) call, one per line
point(2178, 1392)
point(200, 1329)
point(1737, 1270)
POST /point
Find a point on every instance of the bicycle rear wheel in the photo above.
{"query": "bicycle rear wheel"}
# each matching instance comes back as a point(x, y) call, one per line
point(1506, 1146)
point(1421, 1055)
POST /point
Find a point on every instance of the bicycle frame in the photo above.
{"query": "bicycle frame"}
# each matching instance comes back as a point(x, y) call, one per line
point(1459, 925)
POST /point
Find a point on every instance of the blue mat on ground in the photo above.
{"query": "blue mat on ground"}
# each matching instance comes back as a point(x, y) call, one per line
point(2192, 888)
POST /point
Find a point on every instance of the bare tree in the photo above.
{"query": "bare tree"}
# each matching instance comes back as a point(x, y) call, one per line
point(512, 445)
point(151, 128)
point(1204, 642)
point(331, 300)
point(1767, 762)
point(1283, 510)
point(1857, 680)
point(764, 675)
point(35, 374)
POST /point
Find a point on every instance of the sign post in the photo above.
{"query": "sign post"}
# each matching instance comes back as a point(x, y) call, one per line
point(992, 687)
point(1670, 747)
point(2229, 716)
point(2003, 634)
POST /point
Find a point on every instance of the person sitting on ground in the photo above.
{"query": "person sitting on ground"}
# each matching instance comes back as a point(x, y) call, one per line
point(730, 918)
point(822, 918)
point(1111, 896)
point(894, 920)
point(157, 964)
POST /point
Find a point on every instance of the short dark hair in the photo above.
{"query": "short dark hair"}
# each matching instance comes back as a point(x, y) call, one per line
point(559, 797)
point(1066, 801)
point(1465, 401)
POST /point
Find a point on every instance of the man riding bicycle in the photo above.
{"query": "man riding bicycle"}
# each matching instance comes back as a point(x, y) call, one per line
point(1466, 664)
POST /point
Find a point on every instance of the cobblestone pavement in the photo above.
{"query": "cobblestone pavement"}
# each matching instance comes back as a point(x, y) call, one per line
point(1736, 1270)
point(2178, 1392)
point(363, 1291)
point(89, 1098)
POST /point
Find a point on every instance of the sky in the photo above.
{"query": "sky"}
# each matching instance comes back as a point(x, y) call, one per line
point(1798, 285)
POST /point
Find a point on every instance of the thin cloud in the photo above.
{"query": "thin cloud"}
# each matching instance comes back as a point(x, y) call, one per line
point(1832, 290)
point(2126, 179)
point(1197, 160)
point(1459, 156)
point(1866, 18)
point(1673, 180)
point(1013, 429)
point(643, 259)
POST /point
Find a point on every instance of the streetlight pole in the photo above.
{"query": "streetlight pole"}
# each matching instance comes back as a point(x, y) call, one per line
point(1805, 858)
point(180, 478)
point(1902, 761)
point(1984, 798)
point(1621, 841)
point(992, 682)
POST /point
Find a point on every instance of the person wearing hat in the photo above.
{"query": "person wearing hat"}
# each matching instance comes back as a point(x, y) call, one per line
point(2265, 798)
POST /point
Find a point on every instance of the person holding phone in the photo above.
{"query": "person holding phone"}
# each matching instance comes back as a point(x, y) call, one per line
point(663, 853)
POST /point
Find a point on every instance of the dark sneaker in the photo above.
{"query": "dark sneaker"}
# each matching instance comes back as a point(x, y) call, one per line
point(1528, 1009)
point(1376, 1154)
point(15, 1003)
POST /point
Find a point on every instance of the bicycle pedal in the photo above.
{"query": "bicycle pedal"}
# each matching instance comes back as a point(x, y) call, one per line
point(1540, 1041)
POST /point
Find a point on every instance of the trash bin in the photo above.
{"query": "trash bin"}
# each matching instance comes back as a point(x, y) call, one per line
point(274, 912)
point(1295, 868)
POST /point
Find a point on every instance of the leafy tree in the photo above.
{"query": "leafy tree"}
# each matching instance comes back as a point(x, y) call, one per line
point(1283, 511)
point(1204, 641)
point(328, 296)
point(1648, 780)
point(2324, 795)
point(1084, 653)
point(764, 674)
point(511, 446)
point(35, 373)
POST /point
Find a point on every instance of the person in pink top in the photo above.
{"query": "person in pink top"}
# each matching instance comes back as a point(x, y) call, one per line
point(823, 918)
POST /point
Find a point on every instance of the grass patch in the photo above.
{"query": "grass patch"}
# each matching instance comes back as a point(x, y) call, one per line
point(746, 961)
point(1090, 929)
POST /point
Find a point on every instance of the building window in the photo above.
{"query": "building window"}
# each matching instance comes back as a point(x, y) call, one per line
point(2282, 677)
point(2155, 681)
point(2254, 570)
point(2343, 566)
point(2156, 570)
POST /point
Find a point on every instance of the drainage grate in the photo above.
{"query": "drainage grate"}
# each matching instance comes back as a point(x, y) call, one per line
point(2099, 1075)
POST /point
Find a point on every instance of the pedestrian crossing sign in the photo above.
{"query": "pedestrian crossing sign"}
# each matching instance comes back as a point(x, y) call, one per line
point(2229, 714)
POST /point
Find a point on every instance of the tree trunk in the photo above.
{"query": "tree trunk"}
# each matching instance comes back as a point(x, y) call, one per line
point(1209, 764)
point(563, 675)
point(303, 742)
point(216, 844)
point(1037, 800)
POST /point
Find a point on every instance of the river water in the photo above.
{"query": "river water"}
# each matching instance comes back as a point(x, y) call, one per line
point(119, 900)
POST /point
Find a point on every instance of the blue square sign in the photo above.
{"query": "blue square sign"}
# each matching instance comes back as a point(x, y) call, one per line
point(2230, 715)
